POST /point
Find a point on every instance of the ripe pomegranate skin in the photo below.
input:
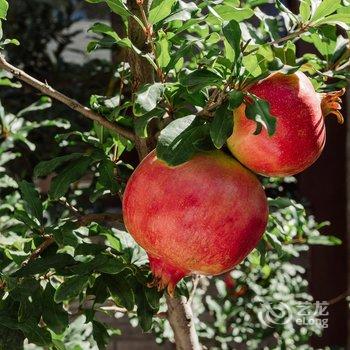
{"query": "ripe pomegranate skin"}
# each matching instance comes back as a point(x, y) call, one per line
point(203, 216)
point(300, 130)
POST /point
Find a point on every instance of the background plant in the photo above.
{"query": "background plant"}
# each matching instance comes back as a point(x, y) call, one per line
point(182, 71)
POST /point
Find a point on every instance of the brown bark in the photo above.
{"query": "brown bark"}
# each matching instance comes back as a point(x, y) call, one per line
point(141, 71)
point(180, 317)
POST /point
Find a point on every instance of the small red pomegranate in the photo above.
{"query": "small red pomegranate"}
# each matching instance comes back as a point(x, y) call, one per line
point(232, 288)
point(203, 216)
point(300, 130)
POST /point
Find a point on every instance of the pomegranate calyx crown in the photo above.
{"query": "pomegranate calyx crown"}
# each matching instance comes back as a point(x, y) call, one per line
point(331, 104)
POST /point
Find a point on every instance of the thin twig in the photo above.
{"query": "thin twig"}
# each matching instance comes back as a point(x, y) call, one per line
point(195, 281)
point(114, 309)
point(149, 35)
point(73, 104)
point(338, 298)
point(284, 38)
point(48, 241)
point(99, 217)
point(215, 100)
point(70, 207)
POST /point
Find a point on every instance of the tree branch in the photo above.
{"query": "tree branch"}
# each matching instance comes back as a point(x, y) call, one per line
point(48, 241)
point(195, 281)
point(141, 70)
point(99, 217)
point(73, 104)
point(180, 317)
point(302, 30)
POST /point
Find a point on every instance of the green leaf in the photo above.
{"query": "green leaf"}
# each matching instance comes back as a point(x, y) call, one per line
point(7, 82)
point(200, 78)
point(99, 289)
point(73, 172)
point(184, 50)
point(3, 9)
point(235, 99)
point(284, 202)
point(160, 9)
point(59, 345)
point(144, 310)
point(117, 6)
point(305, 10)
point(183, 12)
point(32, 200)
point(324, 39)
point(280, 6)
point(11, 42)
point(232, 33)
point(101, 263)
point(141, 123)
point(65, 236)
point(259, 111)
point(113, 242)
point(227, 13)
point(222, 125)
point(89, 249)
point(324, 240)
point(22, 216)
point(43, 103)
point(107, 177)
point(153, 297)
point(48, 166)
point(274, 241)
point(254, 63)
point(341, 19)
point(53, 314)
point(325, 8)
point(181, 139)
point(41, 265)
point(7, 181)
point(100, 334)
point(213, 38)
point(71, 288)
point(182, 289)
point(109, 264)
point(286, 53)
point(36, 334)
point(102, 28)
point(162, 45)
point(121, 291)
point(147, 98)
point(26, 309)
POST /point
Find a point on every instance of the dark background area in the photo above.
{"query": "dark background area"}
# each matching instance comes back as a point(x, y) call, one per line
point(325, 187)
point(51, 51)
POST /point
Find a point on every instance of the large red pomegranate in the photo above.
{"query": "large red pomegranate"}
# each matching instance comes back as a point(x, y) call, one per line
point(203, 216)
point(300, 130)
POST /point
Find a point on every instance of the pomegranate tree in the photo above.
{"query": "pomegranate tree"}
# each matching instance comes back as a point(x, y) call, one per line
point(175, 74)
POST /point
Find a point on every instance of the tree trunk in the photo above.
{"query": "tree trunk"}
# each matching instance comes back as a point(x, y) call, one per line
point(180, 315)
